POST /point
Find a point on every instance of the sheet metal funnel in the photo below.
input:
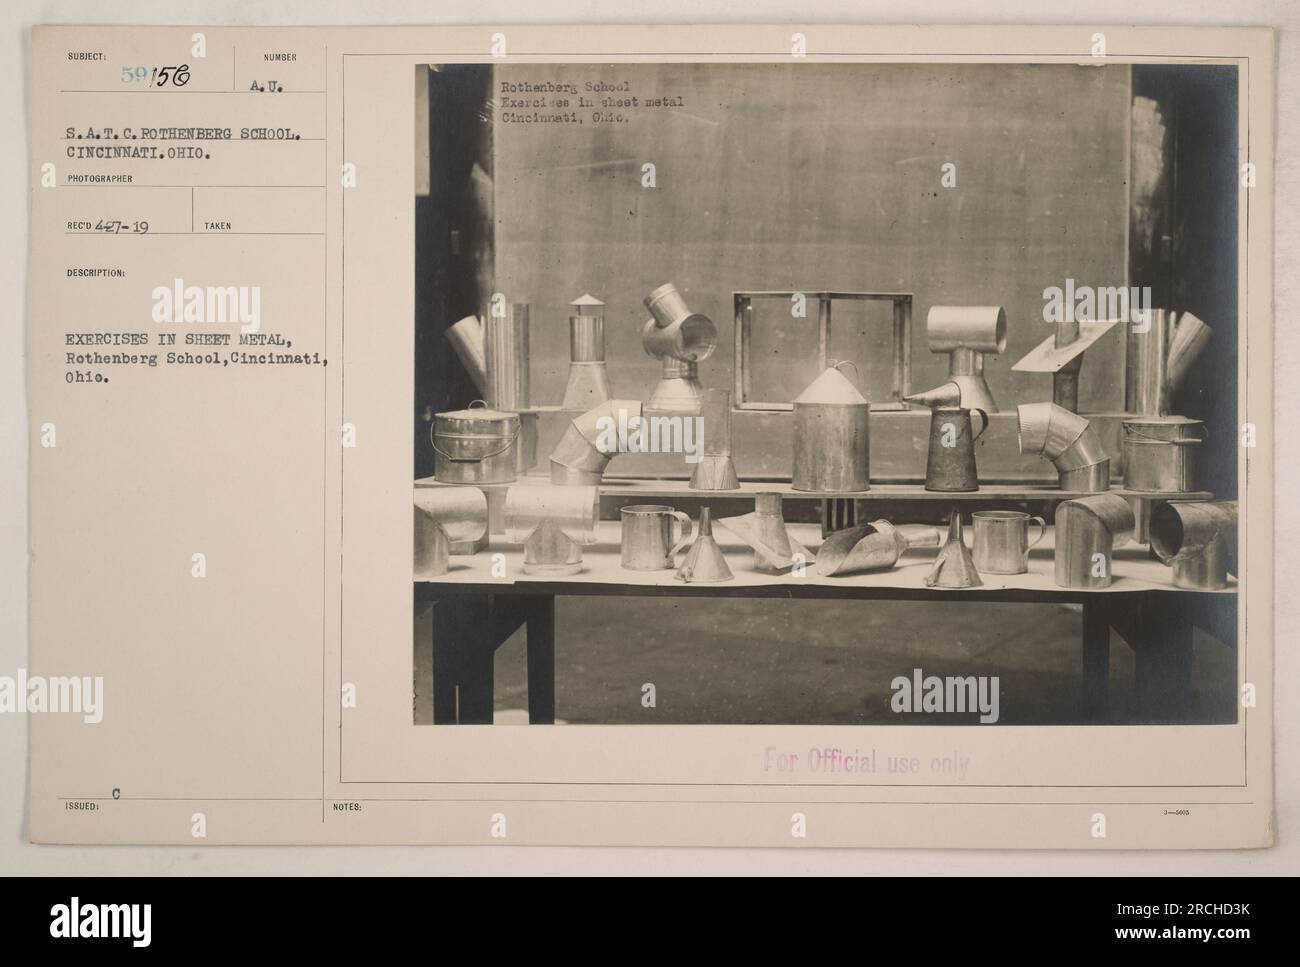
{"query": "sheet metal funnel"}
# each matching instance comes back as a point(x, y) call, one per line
point(775, 551)
point(704, 562)
point(954, 567)
point(871, 547)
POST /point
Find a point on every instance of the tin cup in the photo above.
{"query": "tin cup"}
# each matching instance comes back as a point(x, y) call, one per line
point(648, 537)
point(1002, 540)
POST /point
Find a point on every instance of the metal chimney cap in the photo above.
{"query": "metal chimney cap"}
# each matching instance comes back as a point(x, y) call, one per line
point(832, 387)
point(586, 301)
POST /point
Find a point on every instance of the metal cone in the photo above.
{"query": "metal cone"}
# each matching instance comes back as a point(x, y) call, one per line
point(704, 562)
point(954, 568)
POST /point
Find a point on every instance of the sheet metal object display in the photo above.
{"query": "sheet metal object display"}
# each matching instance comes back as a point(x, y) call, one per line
point(1088, 529)
point(1158, 359)
point(1198, 540)
point(1061, 354)
point(553, 523)
point(466, 338)
point(715, 470)
point(1069, 441)
point(1159, 453)
point(832, 436)
point(474, 446)
point(1001, 540)
point(950, 464)
point(681, 339)
point(647, 536)
point(591, 441)
point(954, 567)
point(505, 353)
point(705, 562)
point(967, 334)
point(588, 383)
point(775, 551)
point(871, 547)
point(445, 517)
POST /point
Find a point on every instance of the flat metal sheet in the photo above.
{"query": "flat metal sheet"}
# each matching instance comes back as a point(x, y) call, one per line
point(1046, 358)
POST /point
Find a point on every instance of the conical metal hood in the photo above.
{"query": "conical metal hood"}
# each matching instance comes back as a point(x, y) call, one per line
point(704, 562)
point(954, 568)
point(832, 387)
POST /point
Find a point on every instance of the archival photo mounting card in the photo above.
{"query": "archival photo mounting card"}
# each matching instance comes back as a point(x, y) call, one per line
point(690, 436)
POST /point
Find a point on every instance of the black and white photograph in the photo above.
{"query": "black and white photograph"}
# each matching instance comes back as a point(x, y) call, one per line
point(834, 394)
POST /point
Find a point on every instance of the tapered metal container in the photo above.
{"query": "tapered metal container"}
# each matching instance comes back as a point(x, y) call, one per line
point(832, 437)
point(950, 465)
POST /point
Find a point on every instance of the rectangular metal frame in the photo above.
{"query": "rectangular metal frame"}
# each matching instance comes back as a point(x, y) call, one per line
point(902, 302)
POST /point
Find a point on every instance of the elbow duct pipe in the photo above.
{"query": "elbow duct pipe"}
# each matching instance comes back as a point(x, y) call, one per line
point(446, 516)
point(1088, 529)
point(592, 440)
point(1198, 540)
point(1069, 441)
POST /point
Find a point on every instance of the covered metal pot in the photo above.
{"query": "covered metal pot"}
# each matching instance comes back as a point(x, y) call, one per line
point(475, 446)
point(1160, 453)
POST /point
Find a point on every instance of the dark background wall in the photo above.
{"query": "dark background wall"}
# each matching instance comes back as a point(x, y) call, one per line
point(775, 176)
point(1184, 236)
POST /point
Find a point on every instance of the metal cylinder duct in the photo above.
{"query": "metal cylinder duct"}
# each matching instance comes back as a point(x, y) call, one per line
point(1158, 359)
point(506, 355)
point(1088, 529)
point(1069, 441)
point(1198, 540)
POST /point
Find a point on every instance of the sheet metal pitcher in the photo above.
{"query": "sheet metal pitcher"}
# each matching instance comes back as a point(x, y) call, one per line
point(950, 467)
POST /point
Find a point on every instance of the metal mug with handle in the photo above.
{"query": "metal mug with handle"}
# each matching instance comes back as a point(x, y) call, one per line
point(648, 536)
point(1002, 540)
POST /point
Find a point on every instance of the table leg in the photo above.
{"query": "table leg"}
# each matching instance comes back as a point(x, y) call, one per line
point(1096, 659)
point(541, 661)
point(476, 685)
point(446, 632)
point(1163, 660)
